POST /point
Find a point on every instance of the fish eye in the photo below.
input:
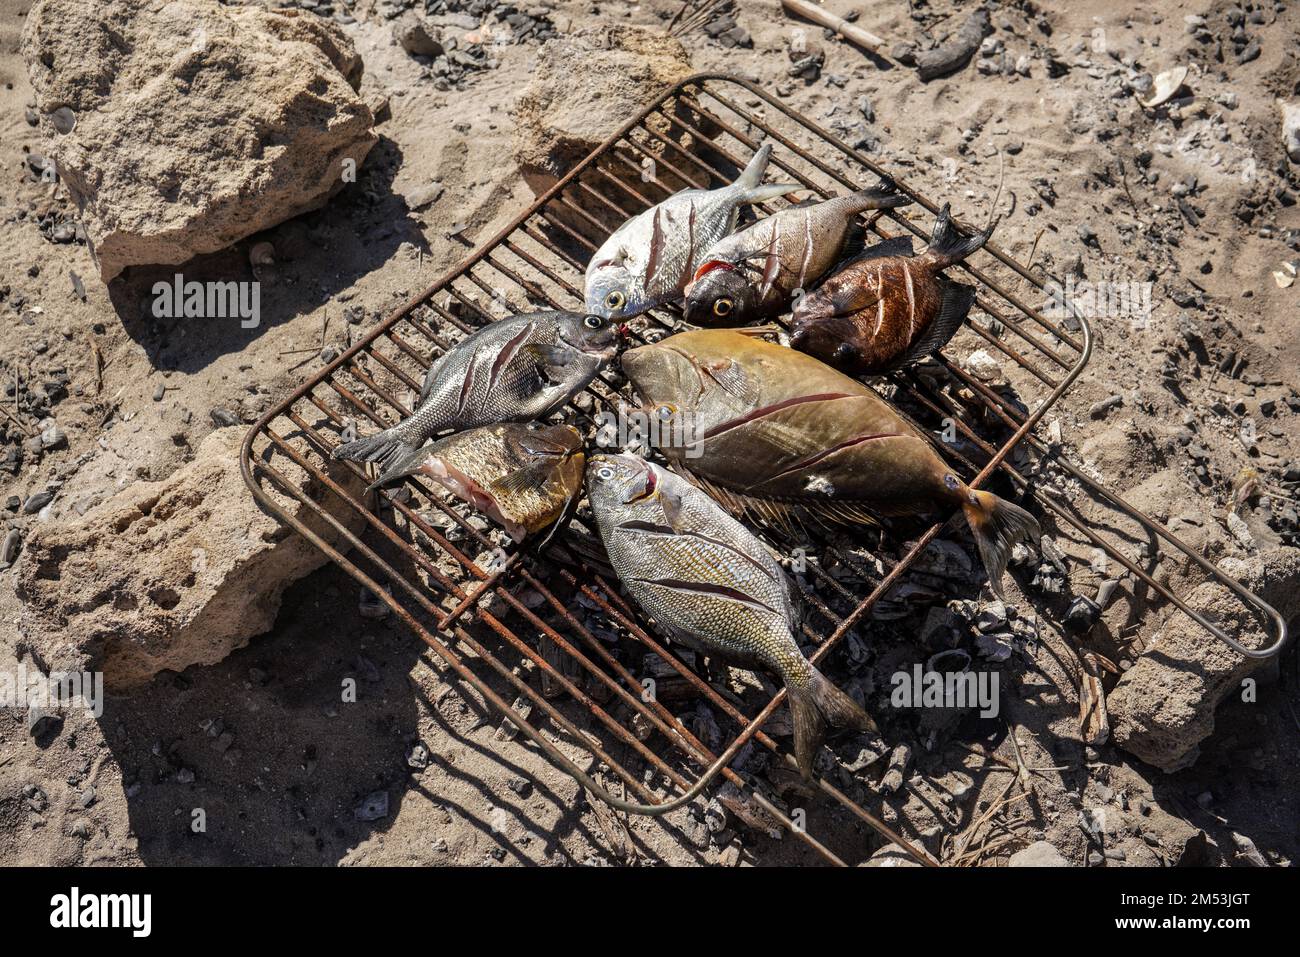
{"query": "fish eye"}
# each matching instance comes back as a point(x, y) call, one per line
point(593, 322)
point(615, 300)
point(722, 307)
point(604, 473)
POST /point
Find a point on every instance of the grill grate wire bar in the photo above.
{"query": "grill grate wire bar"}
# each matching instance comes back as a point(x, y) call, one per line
point(685, 138)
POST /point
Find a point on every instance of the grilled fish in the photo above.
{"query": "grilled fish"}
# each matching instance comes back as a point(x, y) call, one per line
point(650, 258)
point(753, 274)
point(710, 584)
point(514, 370)
point(778, 434)
point(523, 476)
point(886, 307)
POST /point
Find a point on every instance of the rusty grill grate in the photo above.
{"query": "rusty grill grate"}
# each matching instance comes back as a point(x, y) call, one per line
point(420, 554)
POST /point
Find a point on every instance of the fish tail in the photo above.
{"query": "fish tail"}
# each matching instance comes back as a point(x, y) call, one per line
point(815, 703)
point(750, 182)
point(753, 174)
point(948, 246)
point(389, 449)
point(884, 195)
point(997, 525)
point(403, 460)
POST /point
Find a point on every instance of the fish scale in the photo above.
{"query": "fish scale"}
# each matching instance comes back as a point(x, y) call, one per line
point(709, 583)
point(651, 257)
point(784, 436)
point(756, 271)
point(513, 370)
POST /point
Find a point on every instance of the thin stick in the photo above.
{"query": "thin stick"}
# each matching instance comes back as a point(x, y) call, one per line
point(854, 34)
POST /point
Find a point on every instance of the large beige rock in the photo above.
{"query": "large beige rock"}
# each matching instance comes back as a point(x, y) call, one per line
point(1163, 707)
point(584, 87)
point(192, 125)
point(166, 574)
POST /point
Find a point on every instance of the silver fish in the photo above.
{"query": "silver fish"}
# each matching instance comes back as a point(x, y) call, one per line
point(710, 584)
point(513, 370)
point(754, 273)
point(650, 258)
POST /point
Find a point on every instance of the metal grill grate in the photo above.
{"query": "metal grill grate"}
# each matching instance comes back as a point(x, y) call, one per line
point(418, 552)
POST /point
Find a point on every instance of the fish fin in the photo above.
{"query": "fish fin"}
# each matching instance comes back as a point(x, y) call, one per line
point(957, 300)
point(386, 448)
point(753, 174)
point(426, 387)
point(552, 359)
point(997, 525)
point(813, 706)
point(671, 503)
point(761, 194)
point(402, 464)
point(832, 514)
point(521, 480)
point(884, 195)
point(733, 381)
point(948, 246)
point(560, 524)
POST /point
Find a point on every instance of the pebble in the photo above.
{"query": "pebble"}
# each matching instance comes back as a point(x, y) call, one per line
point(1098, 410)
point(1038, 854)
point(159, 392)
point(418, 757)
point(9, 547)
point(53, 437)
point(41, 722)
point(374, 807)
point(37, 502)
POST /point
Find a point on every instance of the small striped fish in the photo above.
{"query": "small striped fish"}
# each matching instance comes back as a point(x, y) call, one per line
point(648, 260)
point(753, 274)
point(886, 308)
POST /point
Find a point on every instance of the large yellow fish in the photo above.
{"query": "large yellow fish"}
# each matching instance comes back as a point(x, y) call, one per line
point(780, 434)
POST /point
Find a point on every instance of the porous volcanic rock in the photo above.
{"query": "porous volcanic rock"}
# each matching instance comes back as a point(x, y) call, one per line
point(182, 126)
point(1163, 707)
point(585, 86)
point(167, 574)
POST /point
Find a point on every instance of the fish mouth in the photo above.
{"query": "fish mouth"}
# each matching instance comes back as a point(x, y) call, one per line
point(602, 352)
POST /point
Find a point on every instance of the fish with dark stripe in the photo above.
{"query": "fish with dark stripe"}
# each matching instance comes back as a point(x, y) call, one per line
point(712, 586)
point(513, 370)
point(885, 307)
point(780, 435)
point(648, 260)
point(756, 273)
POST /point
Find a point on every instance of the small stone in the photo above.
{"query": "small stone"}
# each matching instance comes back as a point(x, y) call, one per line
point(41, 722)
point(374, 807)
point(417, 38)
point(37, 502)
point(418, 757)
point(1038, 854)
point(53, 437)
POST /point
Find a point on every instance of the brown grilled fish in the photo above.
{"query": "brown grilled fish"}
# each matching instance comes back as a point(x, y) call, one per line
point(886, 308)
point(753, 274)
point(781, 435)
point(710, 584)
point(523, 476)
